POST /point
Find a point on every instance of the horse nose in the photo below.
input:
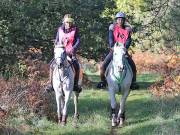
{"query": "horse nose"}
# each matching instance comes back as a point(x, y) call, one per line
point(60, 65)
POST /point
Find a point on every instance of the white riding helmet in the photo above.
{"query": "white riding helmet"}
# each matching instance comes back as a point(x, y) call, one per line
point(120, 15)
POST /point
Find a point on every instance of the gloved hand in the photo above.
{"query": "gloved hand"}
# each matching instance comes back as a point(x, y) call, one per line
point(71, 51)
point(111, 49)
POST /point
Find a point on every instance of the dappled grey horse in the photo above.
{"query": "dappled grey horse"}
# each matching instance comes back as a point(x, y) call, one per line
point(119, 77)
point(63, 83)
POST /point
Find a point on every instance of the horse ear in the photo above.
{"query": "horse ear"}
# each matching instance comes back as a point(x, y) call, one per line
point(118, 44)
point(121, 44)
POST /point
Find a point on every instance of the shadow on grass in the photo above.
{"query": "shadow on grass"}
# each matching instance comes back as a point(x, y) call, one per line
point(144, 110)
point(91, 81)
point(138, 111)
point(91, 132)
point(144, 81)
point(9, 131)
point(88, 106)
point(165, 128)
point(139, 114)
point(144, 85)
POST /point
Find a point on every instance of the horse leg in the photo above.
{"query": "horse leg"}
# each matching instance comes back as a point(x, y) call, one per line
point(76, 95)
point(62, 103)
point(76, 115)
point(121, 113)
point(64, 111)
point(113, 107)
point(58, 101)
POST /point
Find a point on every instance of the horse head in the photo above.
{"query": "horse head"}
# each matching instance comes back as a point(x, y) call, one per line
point(119, 56)
point(60, 55)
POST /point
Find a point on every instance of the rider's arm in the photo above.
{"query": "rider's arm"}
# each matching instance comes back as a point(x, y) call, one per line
point(76, 41)
point(57, 38)
point(129, 40)
point(111, 36)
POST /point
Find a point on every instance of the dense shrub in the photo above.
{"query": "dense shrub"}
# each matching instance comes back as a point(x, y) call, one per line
point(170, 84)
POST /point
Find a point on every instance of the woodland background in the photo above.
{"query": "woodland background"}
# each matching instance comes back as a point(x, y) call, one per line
point(28, 28)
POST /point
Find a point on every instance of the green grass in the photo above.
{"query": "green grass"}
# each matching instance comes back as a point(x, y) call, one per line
point(145, 114)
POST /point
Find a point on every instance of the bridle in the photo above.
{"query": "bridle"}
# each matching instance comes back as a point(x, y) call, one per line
point(63, 66)
point(122, 72)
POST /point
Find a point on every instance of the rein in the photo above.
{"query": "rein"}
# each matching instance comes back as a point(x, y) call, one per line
point(123, 73)
point(65, 68)
point(121, 76)
point(70, 64)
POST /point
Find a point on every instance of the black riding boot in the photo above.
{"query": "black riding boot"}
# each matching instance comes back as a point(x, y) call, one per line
point(102, 84)
point(133, 67)
point(76, 78)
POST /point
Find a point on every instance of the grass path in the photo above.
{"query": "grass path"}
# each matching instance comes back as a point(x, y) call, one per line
point(145, 114)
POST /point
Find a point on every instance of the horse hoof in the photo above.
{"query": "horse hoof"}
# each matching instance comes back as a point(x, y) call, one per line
point(120, 126)
point(59, 122)
point(63, 124)
point(75, 125)
point(76, 117)
point(113, 124)
point(59, 119)
point(120, 122)
point(64, 120)
point(113, 120)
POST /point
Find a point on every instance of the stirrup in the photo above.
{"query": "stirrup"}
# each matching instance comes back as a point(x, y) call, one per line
point(77, 88)
point(101, 85)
